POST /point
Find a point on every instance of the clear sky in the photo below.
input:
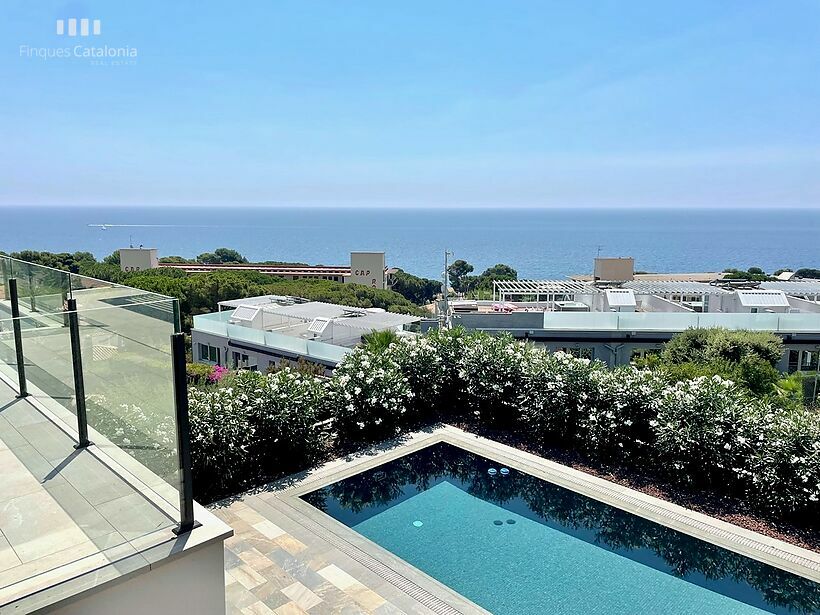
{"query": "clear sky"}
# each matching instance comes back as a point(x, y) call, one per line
point(460, 103)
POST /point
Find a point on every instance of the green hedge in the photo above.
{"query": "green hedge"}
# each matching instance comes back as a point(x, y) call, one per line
point(706, 432)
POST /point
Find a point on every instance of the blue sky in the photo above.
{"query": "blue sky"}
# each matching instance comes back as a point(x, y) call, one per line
point(444, 103)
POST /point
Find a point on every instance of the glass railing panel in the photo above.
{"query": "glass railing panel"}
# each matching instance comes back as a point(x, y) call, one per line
point(286, 342)
point(326, 352)
point(5, 274)
point(753, 322)
point(47, 353)
point(91, 293)
point(581, 320)
point(649, 321)
point(128, 376)
point(40, 289)
point(799, 322)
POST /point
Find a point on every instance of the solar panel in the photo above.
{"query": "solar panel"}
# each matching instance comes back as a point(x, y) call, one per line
point(318, 325)
point(244, 312)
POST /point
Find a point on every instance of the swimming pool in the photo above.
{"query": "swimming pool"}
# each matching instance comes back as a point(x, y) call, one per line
point(516, 544)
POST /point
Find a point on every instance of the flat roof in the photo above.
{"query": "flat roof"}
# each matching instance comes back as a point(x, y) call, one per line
point(348, 316)
point(795, 287)
point(262, 300)
point(762, 298)
point(704, 276)
point(532, 287)
point(664, 287)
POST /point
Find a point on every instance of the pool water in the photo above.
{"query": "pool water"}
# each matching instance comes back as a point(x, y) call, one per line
point(515, 544)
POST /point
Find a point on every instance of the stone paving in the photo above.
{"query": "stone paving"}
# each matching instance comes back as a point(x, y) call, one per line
point(268, 569)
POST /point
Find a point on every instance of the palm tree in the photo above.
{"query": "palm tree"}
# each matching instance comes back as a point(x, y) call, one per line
point(378, 341)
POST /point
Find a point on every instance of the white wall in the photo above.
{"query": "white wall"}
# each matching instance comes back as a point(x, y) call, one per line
point(653, 303)
point(803, 305)
point(192, 583)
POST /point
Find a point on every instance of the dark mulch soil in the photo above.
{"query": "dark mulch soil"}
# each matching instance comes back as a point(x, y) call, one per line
point(802, 533)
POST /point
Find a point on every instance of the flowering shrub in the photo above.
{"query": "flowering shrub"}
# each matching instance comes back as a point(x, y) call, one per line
point(422, 364)
point(258, 427)
point(784, 469)
point(623, 407)
point(557, 394)
point(491, 370)
point(217, 373)
point(370, 396)
point(705, 431)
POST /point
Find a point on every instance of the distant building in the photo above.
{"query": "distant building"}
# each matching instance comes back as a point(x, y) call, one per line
point(138, 259)
point(614, 269)
point(617, 321)
point(258, 332)
point(366, 268)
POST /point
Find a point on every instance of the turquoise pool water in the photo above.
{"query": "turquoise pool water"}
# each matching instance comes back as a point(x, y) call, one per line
point(515, 544)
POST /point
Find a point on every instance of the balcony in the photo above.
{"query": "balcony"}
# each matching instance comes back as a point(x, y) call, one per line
point(96, 502)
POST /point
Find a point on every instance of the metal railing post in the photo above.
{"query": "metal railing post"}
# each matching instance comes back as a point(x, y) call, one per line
point(79, 382)
point(177, 317)
point(18, 337)
point(5, 267)
point(186, 487)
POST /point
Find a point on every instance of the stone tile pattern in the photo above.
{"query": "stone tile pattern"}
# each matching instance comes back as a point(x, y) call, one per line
point(58, 505)
point(270, 570)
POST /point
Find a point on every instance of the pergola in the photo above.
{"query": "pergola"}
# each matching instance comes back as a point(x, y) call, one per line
point(520, 290)
point(810, 289)
point(668, 288)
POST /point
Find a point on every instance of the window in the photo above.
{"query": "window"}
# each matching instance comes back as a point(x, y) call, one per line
point(209, 353)
point(580, 353)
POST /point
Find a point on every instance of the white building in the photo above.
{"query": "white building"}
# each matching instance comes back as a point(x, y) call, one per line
point(616, 321)
point(258, 332)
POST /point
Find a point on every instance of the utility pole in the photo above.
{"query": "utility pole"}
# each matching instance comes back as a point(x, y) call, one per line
point(445, 323)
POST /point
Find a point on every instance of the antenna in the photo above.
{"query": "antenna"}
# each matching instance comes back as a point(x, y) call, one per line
point(600, 247)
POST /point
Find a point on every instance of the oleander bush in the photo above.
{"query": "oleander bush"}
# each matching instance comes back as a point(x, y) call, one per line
point(706, 431)
point(253, 427)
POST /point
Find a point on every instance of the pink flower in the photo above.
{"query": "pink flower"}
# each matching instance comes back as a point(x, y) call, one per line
point(217, 373)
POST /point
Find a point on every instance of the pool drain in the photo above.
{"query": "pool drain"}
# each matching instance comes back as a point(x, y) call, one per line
point(417, 523)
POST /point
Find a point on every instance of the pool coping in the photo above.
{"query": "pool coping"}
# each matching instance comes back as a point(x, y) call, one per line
point(285, 496)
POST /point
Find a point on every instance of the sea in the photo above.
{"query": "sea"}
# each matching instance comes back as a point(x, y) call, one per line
point(538, 243)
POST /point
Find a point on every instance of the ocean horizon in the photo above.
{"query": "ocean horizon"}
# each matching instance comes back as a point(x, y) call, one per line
point(538, 243)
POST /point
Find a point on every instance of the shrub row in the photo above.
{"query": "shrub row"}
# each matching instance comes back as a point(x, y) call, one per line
point(706, 432)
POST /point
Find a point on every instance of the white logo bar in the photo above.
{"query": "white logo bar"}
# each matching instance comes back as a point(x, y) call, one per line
point(88, 27)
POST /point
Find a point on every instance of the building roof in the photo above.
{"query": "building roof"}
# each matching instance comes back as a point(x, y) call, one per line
point(673, 287)
point(706, 276)
point(261, 300)
point(762, 298)
point(543, 287)
point(785, 276)
point(794, 287)
point(620, 297)
point(345, 315)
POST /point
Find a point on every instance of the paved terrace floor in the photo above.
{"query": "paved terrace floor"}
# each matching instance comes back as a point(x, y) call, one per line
point(272, 565)
point(62, 511)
